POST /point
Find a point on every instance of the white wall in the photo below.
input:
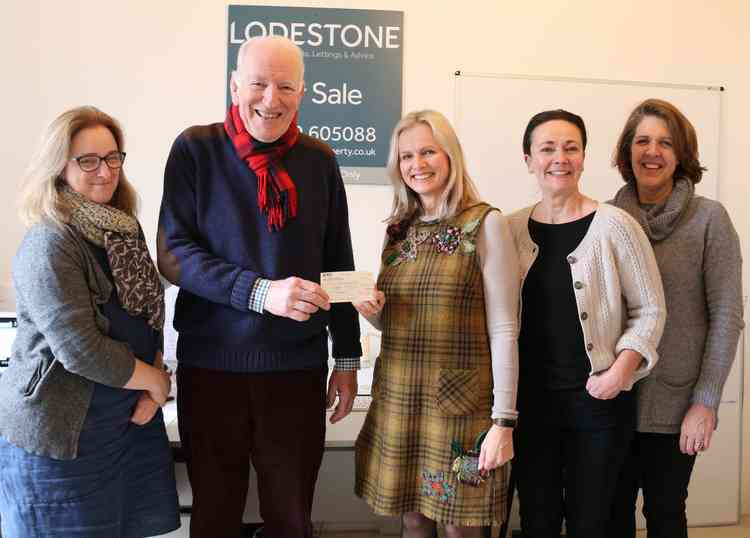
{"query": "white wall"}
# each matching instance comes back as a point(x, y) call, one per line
point(159, 67)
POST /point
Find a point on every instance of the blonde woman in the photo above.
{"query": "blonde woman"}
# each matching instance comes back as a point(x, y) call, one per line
point(438, 434)
point(83, 449)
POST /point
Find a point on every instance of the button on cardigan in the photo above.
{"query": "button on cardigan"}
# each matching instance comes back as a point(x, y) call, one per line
point(618, 288)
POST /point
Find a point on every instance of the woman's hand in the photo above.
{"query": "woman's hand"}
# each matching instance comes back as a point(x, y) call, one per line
point(160, 383)
point(371, 307)
point(152, 379)
point(497, 448)
point(145, 409)
point(697, 428)
point(606, 385)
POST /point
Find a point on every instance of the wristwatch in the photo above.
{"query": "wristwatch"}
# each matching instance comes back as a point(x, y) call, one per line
point(505, 422)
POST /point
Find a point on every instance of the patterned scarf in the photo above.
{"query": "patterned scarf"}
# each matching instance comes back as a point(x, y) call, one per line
point(136, 280)
point(277, 195)
point(657, 220)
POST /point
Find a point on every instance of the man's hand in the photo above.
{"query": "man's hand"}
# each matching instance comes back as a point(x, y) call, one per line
point(344, 384)
point(295, 298)
point(145, 409)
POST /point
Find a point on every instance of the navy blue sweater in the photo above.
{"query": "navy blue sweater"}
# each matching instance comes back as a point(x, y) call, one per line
point(211, 228)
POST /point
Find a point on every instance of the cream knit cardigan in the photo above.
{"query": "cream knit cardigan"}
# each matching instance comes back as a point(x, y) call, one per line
point(617, 286)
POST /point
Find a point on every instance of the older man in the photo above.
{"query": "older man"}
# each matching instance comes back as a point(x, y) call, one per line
point(252, 212)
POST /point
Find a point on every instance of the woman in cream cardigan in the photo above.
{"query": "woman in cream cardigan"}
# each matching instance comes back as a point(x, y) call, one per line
point(592, 315)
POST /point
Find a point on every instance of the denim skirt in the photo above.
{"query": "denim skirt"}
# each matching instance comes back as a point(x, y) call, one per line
point(121, 485)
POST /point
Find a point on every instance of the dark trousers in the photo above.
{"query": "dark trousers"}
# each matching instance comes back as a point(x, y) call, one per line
point(276, 419)
point(656, 465)
point(569, 449)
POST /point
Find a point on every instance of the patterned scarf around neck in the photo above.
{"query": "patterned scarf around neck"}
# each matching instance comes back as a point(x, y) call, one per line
point(657, 220)
point(136, 280)
point(277, 195)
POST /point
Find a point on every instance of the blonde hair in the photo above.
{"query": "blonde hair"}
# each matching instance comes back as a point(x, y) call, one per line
point(460, 191)
point(40, 194)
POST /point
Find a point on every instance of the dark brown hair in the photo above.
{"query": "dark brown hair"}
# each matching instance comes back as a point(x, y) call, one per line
point(551, 115)
point(684, 140)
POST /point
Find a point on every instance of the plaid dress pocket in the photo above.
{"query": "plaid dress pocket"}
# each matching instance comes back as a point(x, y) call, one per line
point(458, 391)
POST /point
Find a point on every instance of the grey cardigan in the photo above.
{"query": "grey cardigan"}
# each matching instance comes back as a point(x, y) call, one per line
point(61, 347)
point(698, 254)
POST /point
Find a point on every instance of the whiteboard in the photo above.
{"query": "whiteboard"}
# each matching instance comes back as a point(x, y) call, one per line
point(491, 113)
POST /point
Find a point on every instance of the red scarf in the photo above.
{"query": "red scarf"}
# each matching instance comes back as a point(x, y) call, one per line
point(277, 198)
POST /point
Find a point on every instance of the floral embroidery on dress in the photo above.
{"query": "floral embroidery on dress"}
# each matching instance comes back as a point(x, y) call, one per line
point(446, 240)
point(406, 250)
point(435, 485)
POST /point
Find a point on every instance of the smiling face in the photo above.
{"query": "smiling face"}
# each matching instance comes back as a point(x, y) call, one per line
point(653, 157)
point(557, 156)
point(99, 185)
point(423, 164)
point(267, 87)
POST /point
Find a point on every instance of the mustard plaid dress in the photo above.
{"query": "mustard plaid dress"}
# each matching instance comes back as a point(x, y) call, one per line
point(432, 384)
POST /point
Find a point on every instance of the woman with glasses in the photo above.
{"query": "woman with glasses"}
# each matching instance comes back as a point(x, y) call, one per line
point(83, 448)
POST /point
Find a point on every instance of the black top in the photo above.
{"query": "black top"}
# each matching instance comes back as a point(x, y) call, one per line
point(551, 342)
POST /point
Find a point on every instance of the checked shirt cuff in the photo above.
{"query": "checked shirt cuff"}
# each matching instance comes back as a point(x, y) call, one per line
point(347, 364)
point(258, 295)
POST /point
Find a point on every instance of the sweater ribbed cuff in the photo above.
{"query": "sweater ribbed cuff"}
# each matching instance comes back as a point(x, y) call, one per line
point(240, 297)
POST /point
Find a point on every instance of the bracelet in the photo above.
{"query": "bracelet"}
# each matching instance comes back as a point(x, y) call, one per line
point(505, 422)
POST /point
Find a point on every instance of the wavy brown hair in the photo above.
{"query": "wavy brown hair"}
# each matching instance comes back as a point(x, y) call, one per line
point(684, 140)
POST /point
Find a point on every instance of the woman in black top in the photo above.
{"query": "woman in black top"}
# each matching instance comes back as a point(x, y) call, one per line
point(589, 327)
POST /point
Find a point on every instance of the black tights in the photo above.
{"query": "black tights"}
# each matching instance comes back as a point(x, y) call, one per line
point(415, 525)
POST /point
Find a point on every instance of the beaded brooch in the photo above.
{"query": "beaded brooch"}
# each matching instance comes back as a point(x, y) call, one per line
point(466, 463)
point(446, 240)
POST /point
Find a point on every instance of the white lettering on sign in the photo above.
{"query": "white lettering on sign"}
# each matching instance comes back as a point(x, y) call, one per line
point(316, 34)
point(336, 96)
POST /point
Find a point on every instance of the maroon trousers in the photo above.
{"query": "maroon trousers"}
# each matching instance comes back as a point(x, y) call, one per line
point(275, 419)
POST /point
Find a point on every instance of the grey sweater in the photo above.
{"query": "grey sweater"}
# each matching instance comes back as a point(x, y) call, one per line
point(61, 347)
point(698, 253)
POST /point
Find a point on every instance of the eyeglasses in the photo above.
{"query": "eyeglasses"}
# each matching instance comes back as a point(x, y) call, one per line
point(91, 161)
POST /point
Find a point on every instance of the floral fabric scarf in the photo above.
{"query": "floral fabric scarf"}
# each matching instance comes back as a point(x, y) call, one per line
point(136, 280)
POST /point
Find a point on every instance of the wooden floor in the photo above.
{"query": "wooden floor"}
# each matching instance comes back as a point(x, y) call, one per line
point(737, 531)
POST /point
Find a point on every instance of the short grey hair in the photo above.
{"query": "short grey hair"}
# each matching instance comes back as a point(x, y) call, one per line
point(280, 40)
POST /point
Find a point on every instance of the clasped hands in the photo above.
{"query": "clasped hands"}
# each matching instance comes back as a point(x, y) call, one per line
point(151, 399)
